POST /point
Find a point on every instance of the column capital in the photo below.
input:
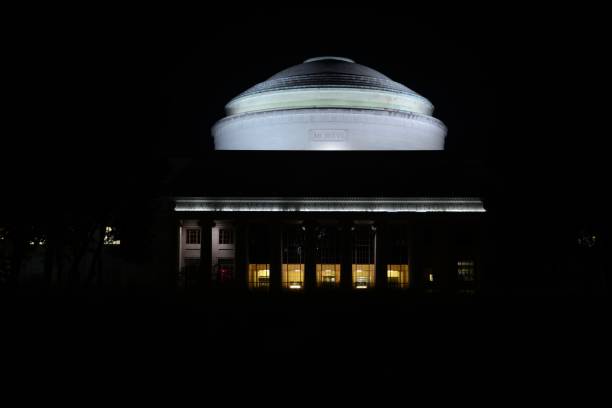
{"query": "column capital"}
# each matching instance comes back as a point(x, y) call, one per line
point(345, 224)
point(206, 271)
point(206, 223)
point(310, 224)
point(380, 223)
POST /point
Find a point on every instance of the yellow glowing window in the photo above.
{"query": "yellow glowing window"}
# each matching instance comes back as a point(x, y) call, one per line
point(328, 275)
point(397, 276)
point(259, 276)
point(363, 276)
point(293, 276)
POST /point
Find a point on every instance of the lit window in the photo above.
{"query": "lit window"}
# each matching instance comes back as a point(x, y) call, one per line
point(363, 276)
point(293, 276)
point(259, 276)
point(110, 236)
point(226, 236)
point(397, 276)
point(465, 271)
point(328, 275)
point(193, 236)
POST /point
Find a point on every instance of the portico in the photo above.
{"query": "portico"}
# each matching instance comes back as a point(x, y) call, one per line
point(302, 244)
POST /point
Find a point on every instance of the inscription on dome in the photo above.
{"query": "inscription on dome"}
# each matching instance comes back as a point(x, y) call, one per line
point(328, 135)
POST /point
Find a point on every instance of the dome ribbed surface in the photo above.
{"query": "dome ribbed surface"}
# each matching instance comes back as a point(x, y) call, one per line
point(328, 73)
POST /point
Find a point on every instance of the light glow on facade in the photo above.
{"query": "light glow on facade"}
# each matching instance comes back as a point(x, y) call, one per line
point(328, 275)
point(397, 276)
point(293, 276)
point(259, 276)
point(364, 276)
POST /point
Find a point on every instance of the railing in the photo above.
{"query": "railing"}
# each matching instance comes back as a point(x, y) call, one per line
point(327, 285)
point(362, 285)
point(466, 291)
point(397, 285)
point(294, 285)
point(187, 279)
point(259, 285)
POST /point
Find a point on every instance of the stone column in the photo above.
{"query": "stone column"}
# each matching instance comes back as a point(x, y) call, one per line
point(204, 281)
point(418, 261)
point(413, 277)
point(484, 250)
point(346, 248)
point(380, 255)
point(310, 266)
point(178, 279)
point(165, 248)
point(442, 259)
point(275, 245)
point(241, 260)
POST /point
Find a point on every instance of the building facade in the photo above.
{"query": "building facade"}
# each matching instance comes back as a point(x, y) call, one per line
point(355, 244)
point(329, 191)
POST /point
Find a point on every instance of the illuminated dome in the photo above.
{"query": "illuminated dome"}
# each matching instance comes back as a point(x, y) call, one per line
point(329, 103)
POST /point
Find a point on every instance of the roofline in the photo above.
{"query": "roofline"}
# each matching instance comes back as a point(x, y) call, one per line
point(329, 204)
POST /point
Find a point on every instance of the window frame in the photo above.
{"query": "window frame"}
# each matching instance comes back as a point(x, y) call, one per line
point(225, 236)
point(188, 231)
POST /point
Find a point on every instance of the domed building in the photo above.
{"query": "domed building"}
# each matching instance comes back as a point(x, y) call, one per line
point(328, 176)
point(329, 103)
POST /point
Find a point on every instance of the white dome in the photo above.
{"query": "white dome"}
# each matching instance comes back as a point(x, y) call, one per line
point(329, 103)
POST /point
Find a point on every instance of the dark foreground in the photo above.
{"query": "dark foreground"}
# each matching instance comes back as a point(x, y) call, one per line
point(365, 338)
